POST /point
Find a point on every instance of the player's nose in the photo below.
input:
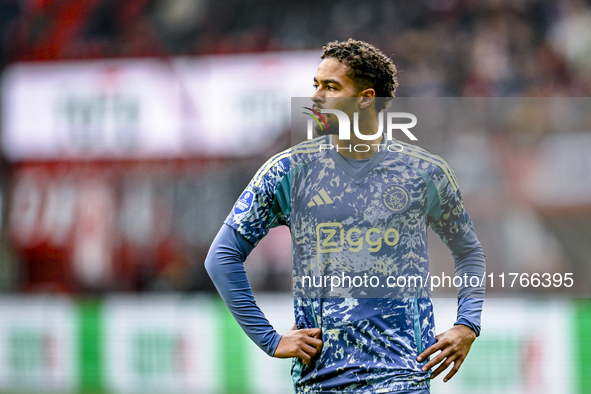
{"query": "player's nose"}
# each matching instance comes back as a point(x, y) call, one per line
point(318, 96)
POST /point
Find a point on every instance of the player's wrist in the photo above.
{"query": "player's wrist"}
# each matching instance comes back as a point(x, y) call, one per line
point(466, 328)
point(275, 344)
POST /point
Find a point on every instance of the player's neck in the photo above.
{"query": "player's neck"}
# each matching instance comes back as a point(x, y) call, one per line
point(356, 148)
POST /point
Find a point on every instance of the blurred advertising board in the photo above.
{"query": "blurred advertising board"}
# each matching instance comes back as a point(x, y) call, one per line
point(238, 105)
point(90, 109)
point(150, 108)
point(179, 344)
point(161, 344)
point(38, 347)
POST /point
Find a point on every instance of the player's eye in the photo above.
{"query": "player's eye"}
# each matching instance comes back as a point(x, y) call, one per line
point(315, 86)
point(330, 87)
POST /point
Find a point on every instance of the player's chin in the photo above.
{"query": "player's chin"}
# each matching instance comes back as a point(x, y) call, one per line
point(332, 129)
point(322, 132)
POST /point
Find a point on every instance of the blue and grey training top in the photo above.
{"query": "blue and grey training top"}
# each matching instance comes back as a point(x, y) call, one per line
point(369, 218)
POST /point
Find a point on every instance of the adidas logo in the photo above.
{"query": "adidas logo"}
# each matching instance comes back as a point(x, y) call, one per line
point(320, 199)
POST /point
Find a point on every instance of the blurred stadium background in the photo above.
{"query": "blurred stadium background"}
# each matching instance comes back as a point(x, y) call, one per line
point(130, 127)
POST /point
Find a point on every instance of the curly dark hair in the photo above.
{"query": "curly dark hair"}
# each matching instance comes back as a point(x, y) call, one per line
point(368, 68)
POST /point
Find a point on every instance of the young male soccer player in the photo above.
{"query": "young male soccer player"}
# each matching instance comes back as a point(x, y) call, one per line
point(371, 209)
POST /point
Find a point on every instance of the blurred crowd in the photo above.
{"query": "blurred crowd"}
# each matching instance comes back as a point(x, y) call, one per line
point(441, 47)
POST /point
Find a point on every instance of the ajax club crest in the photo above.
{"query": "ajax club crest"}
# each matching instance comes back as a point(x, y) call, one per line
point(396, 198)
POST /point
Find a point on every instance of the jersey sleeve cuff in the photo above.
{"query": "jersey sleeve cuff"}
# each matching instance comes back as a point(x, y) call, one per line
point(465, 322)
point(274, 343)
point(245, 234)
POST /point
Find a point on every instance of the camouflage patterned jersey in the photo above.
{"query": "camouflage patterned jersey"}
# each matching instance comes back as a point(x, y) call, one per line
point(348, 221)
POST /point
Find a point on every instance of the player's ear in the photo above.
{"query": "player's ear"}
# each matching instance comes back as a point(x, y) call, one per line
point(366, 98)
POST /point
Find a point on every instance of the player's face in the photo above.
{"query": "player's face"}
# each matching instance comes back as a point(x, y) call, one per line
point(331, 85)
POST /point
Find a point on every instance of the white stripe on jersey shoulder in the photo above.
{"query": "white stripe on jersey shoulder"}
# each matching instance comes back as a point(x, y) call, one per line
point(311, 146)
point(258, 177)
point(314, 141)
point(420, 153)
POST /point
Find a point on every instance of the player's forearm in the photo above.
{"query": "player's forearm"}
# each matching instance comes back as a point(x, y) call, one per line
point(224, 264)
point(469, 261)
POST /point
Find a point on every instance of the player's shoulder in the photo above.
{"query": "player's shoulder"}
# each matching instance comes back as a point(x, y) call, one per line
point(309, 150)
point(274, 168)
point(420, 158)
point(280, 164)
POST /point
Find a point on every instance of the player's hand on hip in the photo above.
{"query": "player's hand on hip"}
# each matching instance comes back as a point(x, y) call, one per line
point(454, 344)
point(304, 344)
